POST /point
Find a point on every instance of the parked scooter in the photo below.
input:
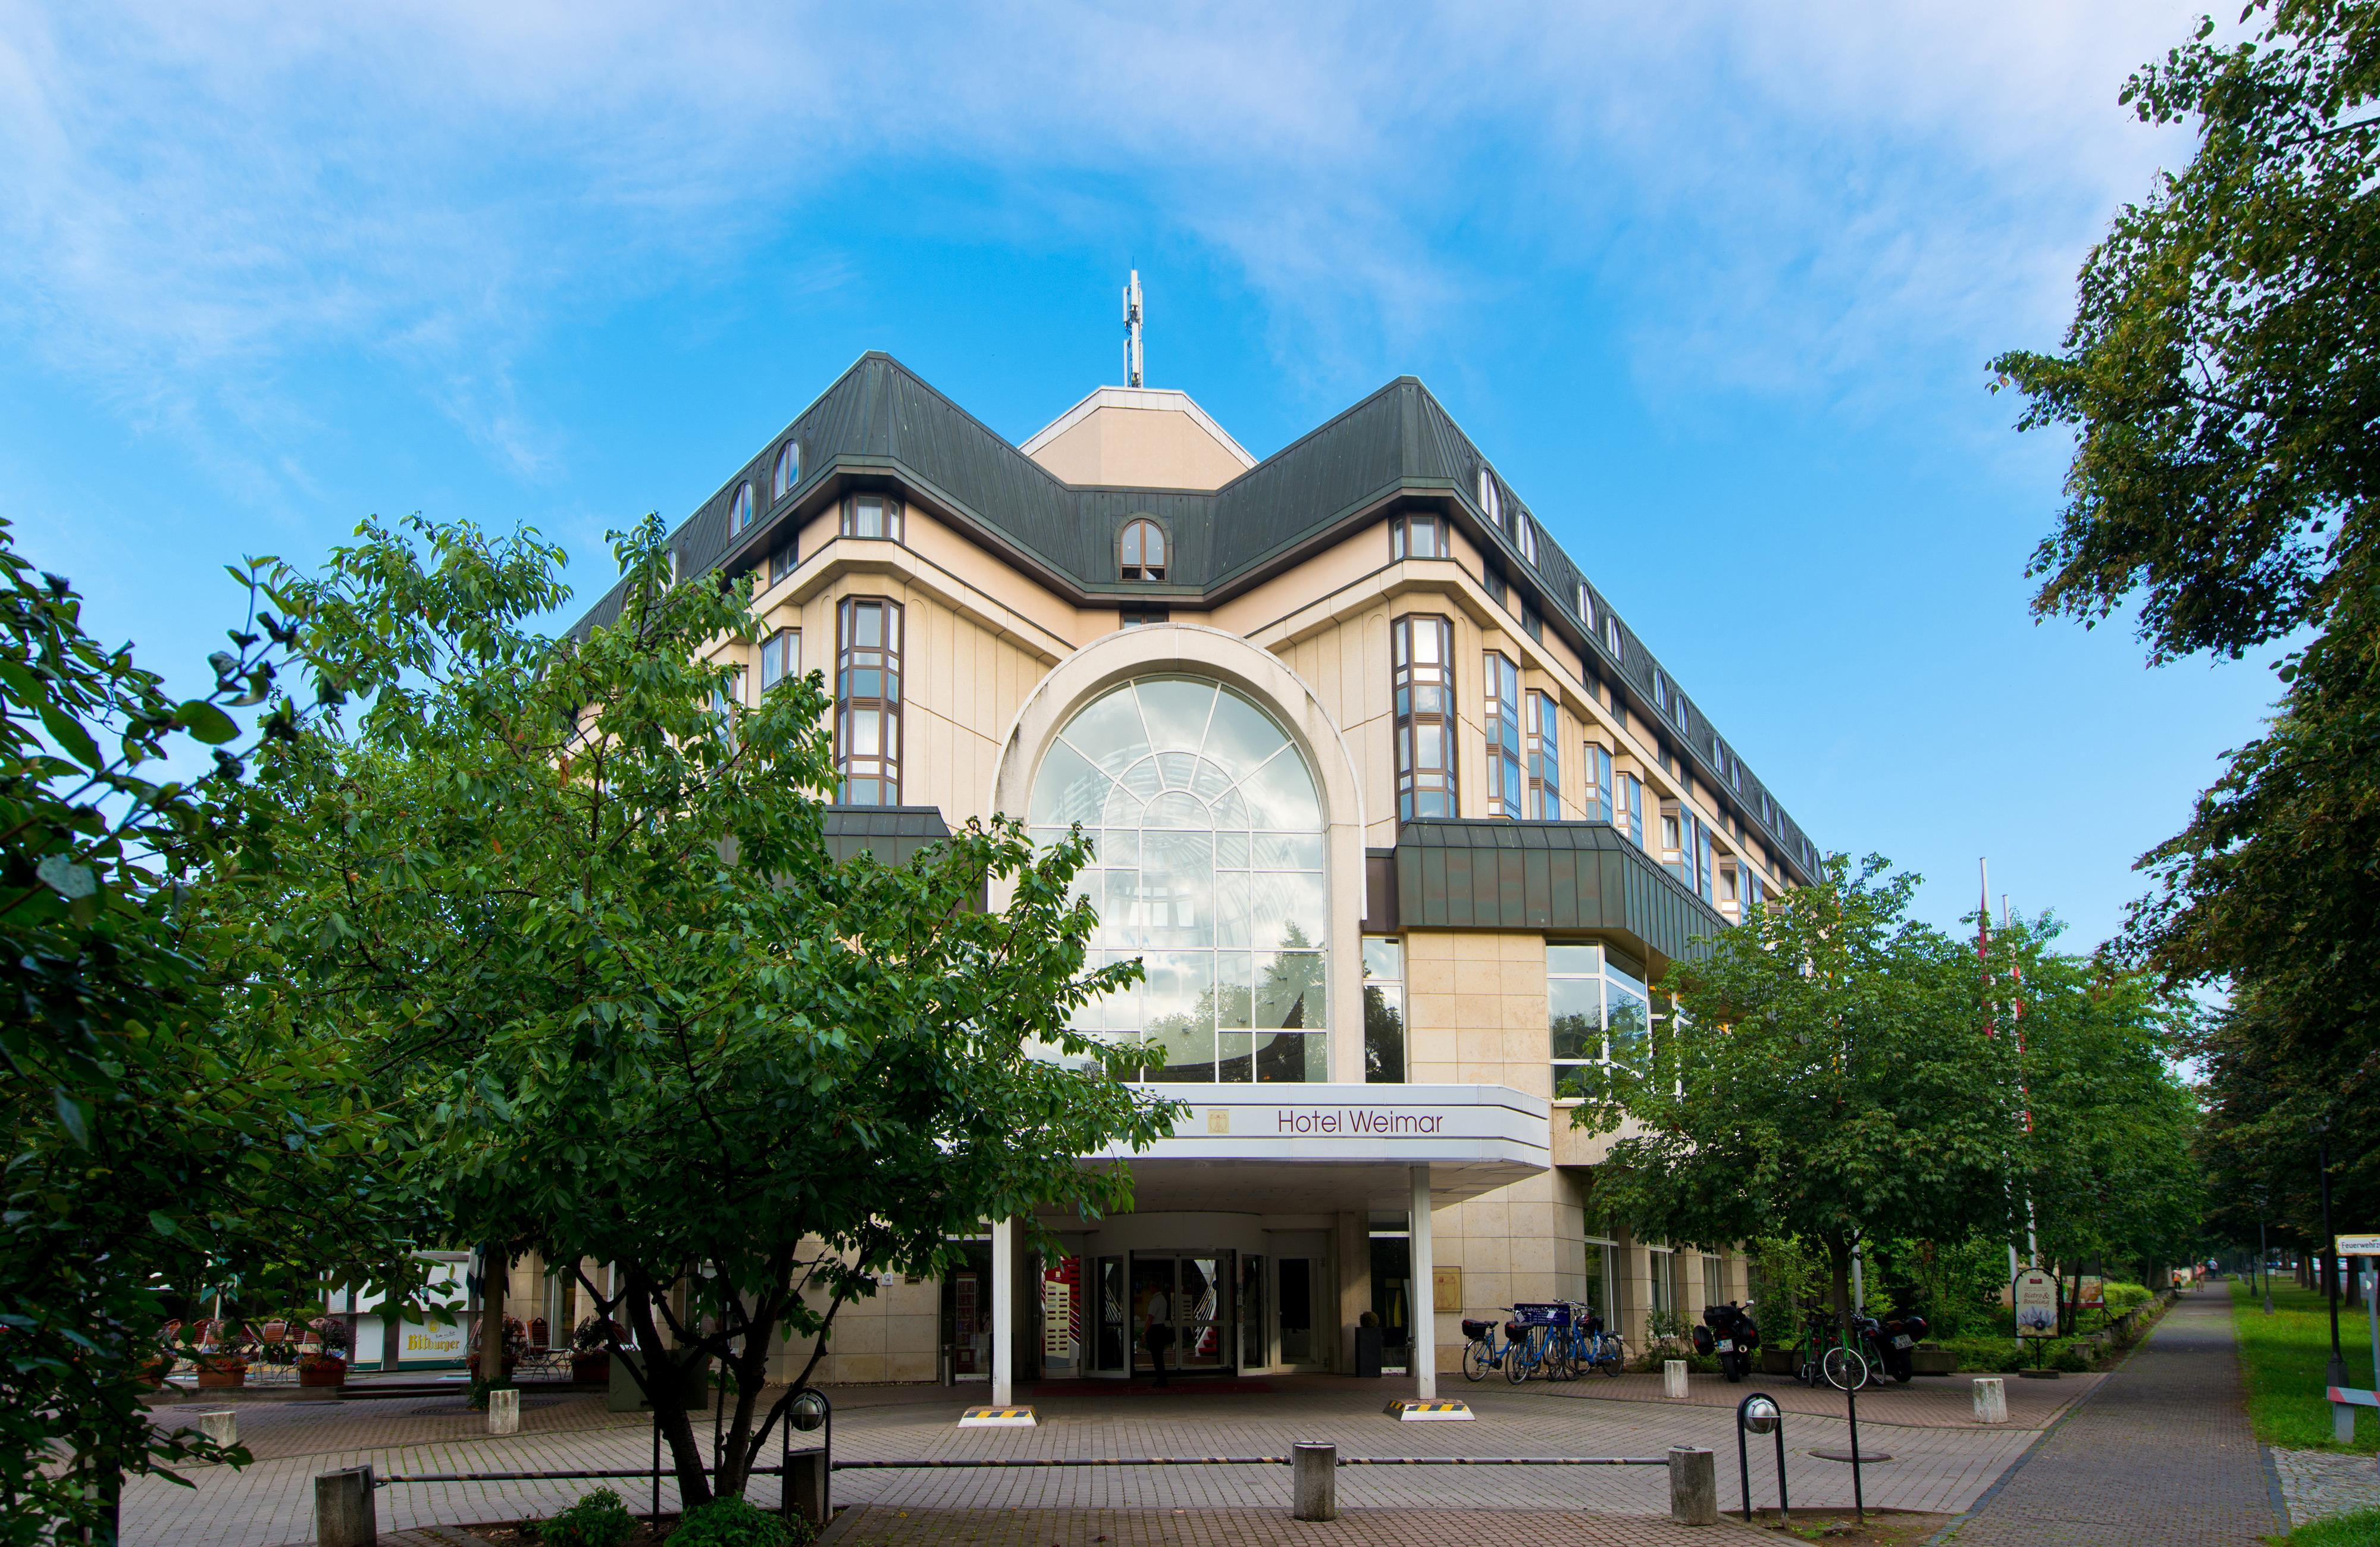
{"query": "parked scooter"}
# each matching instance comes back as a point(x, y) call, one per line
point(1729, 1332)
point(1891, 1344)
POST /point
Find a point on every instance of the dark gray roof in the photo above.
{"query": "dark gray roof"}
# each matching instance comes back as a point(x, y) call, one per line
point(880, 426)
point(1582, 876)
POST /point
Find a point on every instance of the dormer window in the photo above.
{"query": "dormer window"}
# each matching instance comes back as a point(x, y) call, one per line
point(788, 471)
point(1611, 637)
point(1585, 608)
point(740, 510)
point(1491, 498)
point(1140, 552)
point(1528, 534)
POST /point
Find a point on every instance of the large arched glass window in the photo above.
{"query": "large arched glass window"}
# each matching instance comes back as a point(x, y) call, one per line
point(787, 472)
point(1140, 552)
point(1209, 869)
point(740, 510)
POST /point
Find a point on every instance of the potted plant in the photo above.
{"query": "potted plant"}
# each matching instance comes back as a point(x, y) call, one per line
point(221, 1356)
point(324, 1362)
point(590, 1352)
point(515, 1345)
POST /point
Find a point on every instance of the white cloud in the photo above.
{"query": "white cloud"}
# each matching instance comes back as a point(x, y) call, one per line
point(1784, 199)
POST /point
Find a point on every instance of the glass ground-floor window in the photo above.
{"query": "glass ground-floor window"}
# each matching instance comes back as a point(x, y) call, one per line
point(1296, 1285)
point(1602, 1278)
point(1384, 1010)
point(1596, 1008)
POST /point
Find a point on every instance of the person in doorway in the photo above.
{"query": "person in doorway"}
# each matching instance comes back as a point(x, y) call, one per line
point(1157, 1331)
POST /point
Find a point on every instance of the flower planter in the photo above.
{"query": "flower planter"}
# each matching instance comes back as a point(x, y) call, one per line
point(590, 1370)
point(1777, 1361)
point(320, 1373)
point(1933, 1361)
point(221, 1376)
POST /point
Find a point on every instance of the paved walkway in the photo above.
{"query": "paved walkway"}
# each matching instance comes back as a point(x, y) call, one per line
point(880, 1526)
point(2161, 1453)
point(1939, 1466)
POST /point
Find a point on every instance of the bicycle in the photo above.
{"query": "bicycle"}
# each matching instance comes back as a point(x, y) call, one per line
point(1540, 1343)
point(1590, 1346)
point(1842, 1366)
point(1481, 1351)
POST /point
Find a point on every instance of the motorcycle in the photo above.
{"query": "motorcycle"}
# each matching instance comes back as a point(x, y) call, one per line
point(1893, 1343)
point(1729, 1332)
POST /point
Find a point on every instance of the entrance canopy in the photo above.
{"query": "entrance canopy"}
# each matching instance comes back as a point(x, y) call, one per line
point(1320, 1149)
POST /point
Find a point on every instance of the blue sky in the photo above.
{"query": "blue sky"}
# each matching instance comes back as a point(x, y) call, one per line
point(1712, 286)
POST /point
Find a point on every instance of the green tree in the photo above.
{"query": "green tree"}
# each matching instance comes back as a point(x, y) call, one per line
point(2220, 376)
point(575, 896)
point(160, 1140)
point(2106, 1159)
point(1826, 1075)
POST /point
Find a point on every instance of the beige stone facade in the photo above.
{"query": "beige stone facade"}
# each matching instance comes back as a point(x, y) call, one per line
point(1004, 641)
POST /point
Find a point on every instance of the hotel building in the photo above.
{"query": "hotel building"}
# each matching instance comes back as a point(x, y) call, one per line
point(1400, 816)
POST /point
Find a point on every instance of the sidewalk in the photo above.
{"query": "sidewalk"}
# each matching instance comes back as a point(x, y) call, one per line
point(1937, 1467)
point(2160, 1454)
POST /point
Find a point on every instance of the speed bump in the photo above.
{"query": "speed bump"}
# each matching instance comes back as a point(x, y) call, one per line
point(1404, 1409)
point(996, 1418)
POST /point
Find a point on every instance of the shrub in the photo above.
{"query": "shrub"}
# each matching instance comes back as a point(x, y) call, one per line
point(599, 1519)
point(731, 1521)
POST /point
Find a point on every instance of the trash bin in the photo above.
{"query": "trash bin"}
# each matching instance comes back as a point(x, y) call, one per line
point(1368, 1352)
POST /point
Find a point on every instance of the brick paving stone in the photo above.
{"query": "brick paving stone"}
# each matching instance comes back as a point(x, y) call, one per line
point(2319, 1483)
point(1940, 1467)
point(880, 1526)
point(2161, 1453)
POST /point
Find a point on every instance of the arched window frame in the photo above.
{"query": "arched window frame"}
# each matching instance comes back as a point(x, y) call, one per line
point(787, 471)
point(739, 509)
point(1132, 546)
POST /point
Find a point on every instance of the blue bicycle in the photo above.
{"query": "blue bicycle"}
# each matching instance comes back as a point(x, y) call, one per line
point(1590, 1346)
point(1541, 1342)
point(1481, 1350)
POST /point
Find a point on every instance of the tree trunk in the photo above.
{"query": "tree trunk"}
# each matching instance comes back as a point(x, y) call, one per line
point(495, 1274)
point(666, 1383)
point(1838, 1259)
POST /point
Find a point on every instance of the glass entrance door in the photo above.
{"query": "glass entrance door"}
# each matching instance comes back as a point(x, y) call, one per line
point(1192, 1295)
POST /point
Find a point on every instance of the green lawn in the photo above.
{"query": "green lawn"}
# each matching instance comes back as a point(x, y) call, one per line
point(2359, 1529)
point(2283, 1356)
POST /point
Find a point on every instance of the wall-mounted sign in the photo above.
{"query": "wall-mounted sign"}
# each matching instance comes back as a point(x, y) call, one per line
point(1446, 1289)
point(2357, 1246)
point(2035, 1294)
point(423, 1342)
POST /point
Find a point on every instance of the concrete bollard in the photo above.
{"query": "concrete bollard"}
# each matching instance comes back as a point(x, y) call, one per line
point(809, 1484)
point(503, 1411)
point(222, 1426)
point(1991, 1399)
point(1673, 1378)
point(343, 1512)
point(1694, 1486)
point(1315, 1481)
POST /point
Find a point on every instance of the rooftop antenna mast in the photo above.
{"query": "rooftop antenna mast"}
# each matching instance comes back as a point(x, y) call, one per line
point(1132, 331)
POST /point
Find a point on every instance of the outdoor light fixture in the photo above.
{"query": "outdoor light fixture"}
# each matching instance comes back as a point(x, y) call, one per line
point(1758, 1414)
point(809, 1412)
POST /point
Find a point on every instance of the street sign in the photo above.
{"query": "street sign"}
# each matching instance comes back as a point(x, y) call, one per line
point(2357, 1246)
point(2036, 1296)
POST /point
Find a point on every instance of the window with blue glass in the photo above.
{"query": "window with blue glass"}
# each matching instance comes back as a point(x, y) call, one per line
point(868, 702)
point(1501, 713)
point(1423, 666)
point(1598, 782)
point(1544, 720)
